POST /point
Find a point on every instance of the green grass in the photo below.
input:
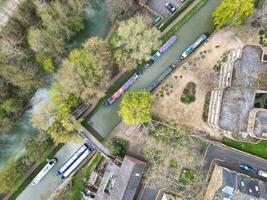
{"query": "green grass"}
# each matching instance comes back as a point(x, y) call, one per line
point(186, 176)
point(28, 180)
point(79, 179)
point(181, 22)
point(259, 149)
point(173, 17)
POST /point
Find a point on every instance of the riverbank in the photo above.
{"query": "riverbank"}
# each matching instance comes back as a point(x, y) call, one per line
point(106, 118)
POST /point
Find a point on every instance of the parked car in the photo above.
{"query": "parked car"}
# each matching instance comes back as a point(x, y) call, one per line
point(170, 7)
point(157, 20)
point(262, 173)
point(247, 168)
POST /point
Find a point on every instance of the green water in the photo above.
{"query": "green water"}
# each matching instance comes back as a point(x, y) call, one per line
point(105, 120)
point(96, 23)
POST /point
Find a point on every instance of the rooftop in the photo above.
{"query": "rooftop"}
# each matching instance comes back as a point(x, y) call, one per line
point(238, 99)
point(121, 183)
point(234, 186)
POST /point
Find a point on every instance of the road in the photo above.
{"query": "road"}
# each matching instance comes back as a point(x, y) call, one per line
point(231, 159)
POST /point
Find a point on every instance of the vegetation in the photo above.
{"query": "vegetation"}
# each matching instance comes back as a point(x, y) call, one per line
point(206, 106)
point(87, 71)
point(121, 9)
point(232, 12)
point(79, 179)
point(169, 150)
point(28, 180)
point(176, 14)
point(36, 152)
point(189, 93)
point(118, 147)
point(152, 155)
point(60, 20)
point(181, 22)
point(174, 137)
point(28, 45)
point(258, 149)
point(53, 117)
point(186, 176)
point(136, 107)
point(133, 42)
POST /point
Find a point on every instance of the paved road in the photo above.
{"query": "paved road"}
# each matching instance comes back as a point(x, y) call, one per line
point(231, 159)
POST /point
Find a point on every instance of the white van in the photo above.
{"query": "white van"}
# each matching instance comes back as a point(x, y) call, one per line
point(262, 173)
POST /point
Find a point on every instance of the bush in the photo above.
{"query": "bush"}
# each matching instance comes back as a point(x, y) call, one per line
point(189, 92)
point(186, 176)
point(173, 163)
point(152, 154)
point(119, 147)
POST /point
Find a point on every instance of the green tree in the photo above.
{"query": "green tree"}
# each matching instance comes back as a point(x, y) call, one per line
point(136, 107)
point(11, 105)
point(120, 9)
point(232, 12)
point(46, 63)
point(54, 116)
point(87, 71)
point(59, 22)
point(119, 147)
point(134, 41)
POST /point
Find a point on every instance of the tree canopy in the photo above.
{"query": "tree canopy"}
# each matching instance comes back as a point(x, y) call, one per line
point(232, 12)
point(59, 22)
point(87, 70)
point(54, 115)
point(136, 107)
point(133, 42)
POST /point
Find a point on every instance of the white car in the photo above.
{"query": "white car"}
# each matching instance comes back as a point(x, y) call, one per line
point(170, 7)
point(262, 173)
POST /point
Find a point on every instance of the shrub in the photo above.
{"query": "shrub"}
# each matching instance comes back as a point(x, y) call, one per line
point(186, 176)
point(152, 154)
point(119, 147)
point(189, 92)
point(173, 163)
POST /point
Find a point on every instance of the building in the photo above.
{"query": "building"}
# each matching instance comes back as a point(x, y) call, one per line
point(232, 108)
point(226, 184)
point(121, 181)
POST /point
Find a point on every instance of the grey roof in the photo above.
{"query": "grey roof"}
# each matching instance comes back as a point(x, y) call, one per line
point(124, 181)
point(241, 187)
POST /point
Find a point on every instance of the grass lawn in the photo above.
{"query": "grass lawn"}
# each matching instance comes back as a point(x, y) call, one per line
point(259, 149)
point(183, 20)
point(79, 179)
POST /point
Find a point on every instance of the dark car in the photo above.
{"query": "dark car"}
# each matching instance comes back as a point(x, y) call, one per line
point(247, 168)
point(170, 7)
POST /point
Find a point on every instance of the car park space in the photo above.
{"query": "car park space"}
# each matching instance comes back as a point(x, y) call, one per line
point(159, 6)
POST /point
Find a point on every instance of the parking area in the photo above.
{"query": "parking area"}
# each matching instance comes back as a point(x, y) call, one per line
point(159, 6)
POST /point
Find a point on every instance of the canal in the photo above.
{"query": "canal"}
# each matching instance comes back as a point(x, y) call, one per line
point(12, 143)
point(105, 119)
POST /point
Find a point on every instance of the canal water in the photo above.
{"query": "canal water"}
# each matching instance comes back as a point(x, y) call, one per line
point(13, 142)
point(105, 120)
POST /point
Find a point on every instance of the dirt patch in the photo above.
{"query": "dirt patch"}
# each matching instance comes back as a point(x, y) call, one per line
point(199, 69)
